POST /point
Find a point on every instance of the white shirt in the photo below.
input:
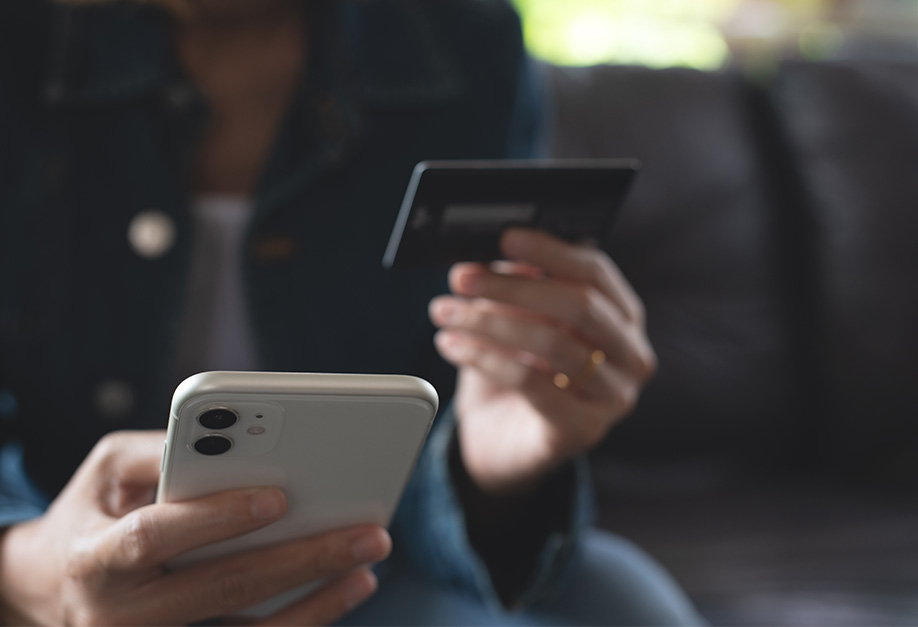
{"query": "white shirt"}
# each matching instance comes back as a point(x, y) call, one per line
point(216, 334)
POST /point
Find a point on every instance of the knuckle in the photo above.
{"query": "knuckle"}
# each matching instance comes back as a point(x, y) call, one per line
point(108, 446)
point(597, 266)
point(595, 308)
point(583, 301)
point(638, 311)
point(642, 359)
point(628, 398)
point(649, 364)
point(106, 452)
point(141, 540)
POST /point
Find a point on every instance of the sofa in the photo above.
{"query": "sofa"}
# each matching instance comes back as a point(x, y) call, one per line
point(772, 464)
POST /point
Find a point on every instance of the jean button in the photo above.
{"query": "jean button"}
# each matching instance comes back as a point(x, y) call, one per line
point(114, 399)
point(151, 234)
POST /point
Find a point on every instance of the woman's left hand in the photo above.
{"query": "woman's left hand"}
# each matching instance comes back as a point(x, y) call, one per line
point(551, 351)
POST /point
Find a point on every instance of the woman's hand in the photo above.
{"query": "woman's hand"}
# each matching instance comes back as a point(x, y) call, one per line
point(551, 351)
point(96, 556)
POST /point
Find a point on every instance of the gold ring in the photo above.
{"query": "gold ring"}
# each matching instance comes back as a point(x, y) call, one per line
point(596, 359)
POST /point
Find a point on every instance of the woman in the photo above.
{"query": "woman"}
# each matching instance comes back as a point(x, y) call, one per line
point(209, 184)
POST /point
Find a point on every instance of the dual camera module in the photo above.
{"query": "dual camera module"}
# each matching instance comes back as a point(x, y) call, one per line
point(215, 419)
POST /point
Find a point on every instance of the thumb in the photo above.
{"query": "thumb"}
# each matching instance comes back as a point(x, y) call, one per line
point(128, 470)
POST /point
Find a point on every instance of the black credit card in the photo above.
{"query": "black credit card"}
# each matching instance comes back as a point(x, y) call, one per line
point(456, 210)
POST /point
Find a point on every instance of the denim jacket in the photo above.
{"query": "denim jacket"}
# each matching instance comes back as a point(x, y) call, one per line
point(98, 127)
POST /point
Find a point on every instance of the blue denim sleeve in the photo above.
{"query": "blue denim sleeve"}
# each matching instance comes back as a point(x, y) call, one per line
point(19, 499)
point(431, 524)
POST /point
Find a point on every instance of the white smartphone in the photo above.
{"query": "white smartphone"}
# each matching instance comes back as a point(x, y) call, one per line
point(341, 446)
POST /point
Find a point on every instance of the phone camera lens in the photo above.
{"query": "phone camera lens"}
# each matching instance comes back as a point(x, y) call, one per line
point(218, 418)
point(213, 444)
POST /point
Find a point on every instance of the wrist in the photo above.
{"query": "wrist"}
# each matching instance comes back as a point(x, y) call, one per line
point(502, 478)
point(21, 597)
point(509, 531)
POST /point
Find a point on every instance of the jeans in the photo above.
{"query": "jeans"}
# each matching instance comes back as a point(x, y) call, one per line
point(613, 583)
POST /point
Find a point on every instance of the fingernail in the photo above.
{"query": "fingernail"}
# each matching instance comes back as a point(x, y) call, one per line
point(449, 345)
point(370, 547)
point(269, 504)
point(470, 283)
point(448, 312)
point(359, 589)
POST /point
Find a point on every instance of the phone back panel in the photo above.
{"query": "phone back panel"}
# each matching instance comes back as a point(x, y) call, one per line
point(341, 447)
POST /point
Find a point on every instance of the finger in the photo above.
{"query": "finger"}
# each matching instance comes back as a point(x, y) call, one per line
point(558, 407)
point(554, 350)
point(330, 602)
point(122, 470)
point(131, 455)
point(581, 264)
point(503, 368)
point(583, 311)
point(507, 367)
point(153, 535)
point(515, 267)
point(229, 584)
point(549, 299)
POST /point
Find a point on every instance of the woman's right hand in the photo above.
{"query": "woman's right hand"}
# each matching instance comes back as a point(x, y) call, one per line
point(96, 556)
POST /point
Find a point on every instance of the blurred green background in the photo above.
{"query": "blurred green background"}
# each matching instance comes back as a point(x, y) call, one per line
point(709, 34)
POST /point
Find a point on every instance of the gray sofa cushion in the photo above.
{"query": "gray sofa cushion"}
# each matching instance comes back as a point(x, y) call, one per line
point(697, 240)
point(852, 131)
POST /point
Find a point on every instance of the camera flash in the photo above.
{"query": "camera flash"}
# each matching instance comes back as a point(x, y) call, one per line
point(255, 430)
